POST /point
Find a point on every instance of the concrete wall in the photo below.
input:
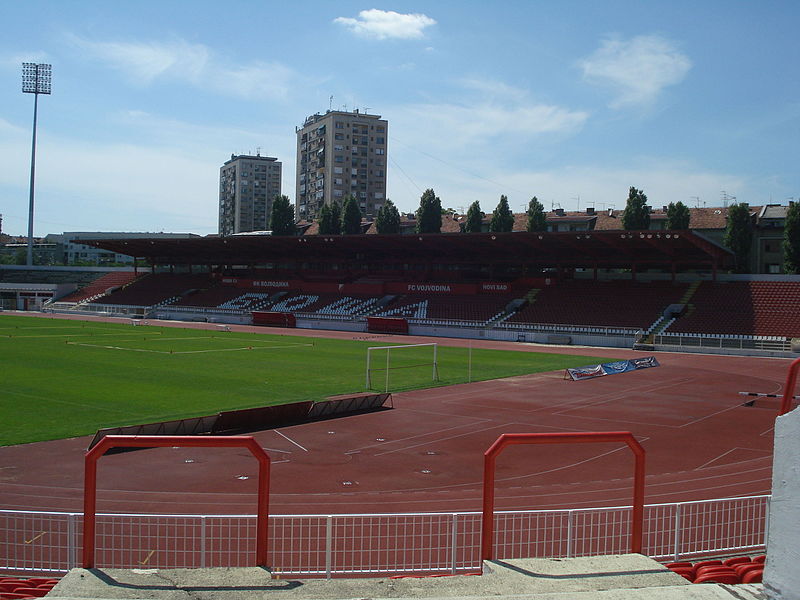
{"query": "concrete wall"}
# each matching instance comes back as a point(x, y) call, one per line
point(782, 575)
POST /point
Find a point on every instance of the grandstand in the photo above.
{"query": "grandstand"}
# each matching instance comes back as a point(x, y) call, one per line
point(550, 287)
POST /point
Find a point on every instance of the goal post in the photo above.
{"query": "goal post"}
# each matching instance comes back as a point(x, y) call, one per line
point(417, 360)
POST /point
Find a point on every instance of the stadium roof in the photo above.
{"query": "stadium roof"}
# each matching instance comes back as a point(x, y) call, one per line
point(587, 249)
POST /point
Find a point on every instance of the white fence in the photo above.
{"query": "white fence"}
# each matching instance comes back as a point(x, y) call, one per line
point(327, 545)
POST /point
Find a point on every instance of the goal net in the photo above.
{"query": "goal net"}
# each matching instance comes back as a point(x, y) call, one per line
point(383, 360)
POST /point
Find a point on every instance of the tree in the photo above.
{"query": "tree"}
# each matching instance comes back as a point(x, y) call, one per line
point(502, 217)
point(429, 213)
point(388, 219)
point(281, 221)
point(677, 215)
point(791, 240)
point(351, 216)
point(637, 214)
point(329, 223)
point(738, 234)
point(474, 222)
point(537, 220)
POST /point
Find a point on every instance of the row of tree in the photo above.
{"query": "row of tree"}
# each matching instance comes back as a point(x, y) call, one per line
point(334, 220)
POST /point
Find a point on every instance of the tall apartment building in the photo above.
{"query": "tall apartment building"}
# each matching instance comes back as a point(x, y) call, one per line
point(247, 187)
point(341, 154)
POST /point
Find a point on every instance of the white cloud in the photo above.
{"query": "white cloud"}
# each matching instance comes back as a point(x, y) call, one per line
point(491, 113)
point(386, 24)
point(195, 64)
point(637, 69)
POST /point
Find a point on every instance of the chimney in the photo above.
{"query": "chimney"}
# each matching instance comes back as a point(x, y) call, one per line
point(559, 212)
point(590, 210)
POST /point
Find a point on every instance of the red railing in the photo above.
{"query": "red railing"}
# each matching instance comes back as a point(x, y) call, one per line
point(160, 441)
point(510, 439)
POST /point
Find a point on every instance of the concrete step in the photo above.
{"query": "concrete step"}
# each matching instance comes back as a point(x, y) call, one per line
point(622, 577)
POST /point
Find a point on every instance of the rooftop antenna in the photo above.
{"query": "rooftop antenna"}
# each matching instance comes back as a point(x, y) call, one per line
point(578, 198)
point(696, 200)
point(366, 109)
point(330, 103)
point(258, 151)
point(726, 197)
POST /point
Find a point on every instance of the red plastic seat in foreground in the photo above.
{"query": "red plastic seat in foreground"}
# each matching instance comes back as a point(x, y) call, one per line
point(732, 562)
point(754, 576)
point(718, 577)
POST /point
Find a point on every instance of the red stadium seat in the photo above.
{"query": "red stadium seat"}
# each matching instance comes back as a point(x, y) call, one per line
point(738, 560)
point(679, 564)
point(760, 558)
point(726, 576)
point(754, 576)
point(685, 572)
point(706, 563)
point(32, 591)
point(747, 567)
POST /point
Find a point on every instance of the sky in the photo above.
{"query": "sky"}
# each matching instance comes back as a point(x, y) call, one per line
point(570, 101)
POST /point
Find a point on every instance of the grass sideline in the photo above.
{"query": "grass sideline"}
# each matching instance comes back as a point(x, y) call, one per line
point(65, 378)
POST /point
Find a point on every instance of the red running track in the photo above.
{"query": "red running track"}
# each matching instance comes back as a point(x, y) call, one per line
point(427, 453)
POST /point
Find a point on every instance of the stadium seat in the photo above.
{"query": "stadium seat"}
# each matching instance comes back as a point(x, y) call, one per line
point(737, 560)
point(754, 576)
point(747, 567)
point(685, 572)
point(32, 591)
point(729, 576)
point(761, 558)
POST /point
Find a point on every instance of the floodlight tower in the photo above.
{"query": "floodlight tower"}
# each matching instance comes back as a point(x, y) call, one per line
point(36, 80)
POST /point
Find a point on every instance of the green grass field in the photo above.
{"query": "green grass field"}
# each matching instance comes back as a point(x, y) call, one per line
point(68, 378)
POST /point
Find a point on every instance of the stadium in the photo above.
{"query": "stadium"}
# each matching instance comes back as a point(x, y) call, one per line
point(376, 456)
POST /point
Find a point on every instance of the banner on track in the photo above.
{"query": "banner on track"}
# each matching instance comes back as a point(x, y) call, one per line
point(611, 368)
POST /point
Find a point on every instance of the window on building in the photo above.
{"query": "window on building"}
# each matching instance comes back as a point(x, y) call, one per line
point(380, 151)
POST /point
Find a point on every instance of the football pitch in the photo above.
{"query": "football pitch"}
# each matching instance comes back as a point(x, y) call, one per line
point(69, 378)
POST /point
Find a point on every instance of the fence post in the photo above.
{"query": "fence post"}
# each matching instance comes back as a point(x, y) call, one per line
point(72, 541)
point(328, 545)
point(678, 536)
point(202, 542)
point(570, 515)
point(766, 521)
point(453, 543)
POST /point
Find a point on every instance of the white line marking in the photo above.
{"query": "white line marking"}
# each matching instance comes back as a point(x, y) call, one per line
point(288, 439)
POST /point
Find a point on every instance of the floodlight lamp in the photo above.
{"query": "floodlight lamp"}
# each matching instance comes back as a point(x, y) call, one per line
point(36, 78)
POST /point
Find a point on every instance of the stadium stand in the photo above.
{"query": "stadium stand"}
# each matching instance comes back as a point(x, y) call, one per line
point(601, 303)
point(101, 286)
point(437, 309)
point(757, 308)
point(156, 289)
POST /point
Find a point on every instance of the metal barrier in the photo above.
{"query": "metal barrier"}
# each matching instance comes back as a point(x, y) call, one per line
point(328, 545)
